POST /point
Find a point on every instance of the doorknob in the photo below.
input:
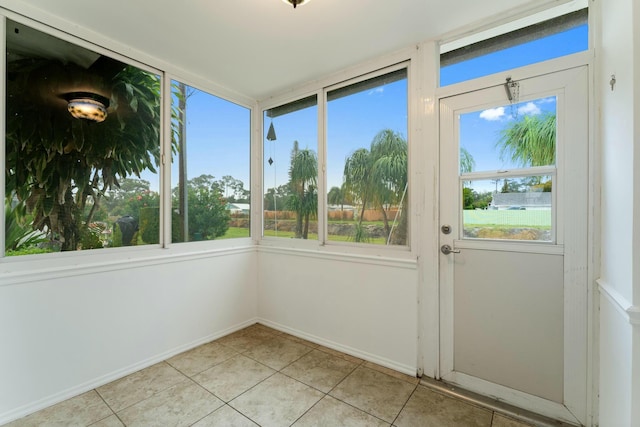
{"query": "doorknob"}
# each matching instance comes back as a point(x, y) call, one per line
point(446, 249)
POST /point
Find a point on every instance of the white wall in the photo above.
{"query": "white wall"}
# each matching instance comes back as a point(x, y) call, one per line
point(63, 336)
point(618, 53)
point(365, 306)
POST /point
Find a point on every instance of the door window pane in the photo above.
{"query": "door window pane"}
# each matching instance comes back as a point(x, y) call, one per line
point(367, 150)
point(82, 147)
point(514, 208)
point(210, 167)
point(291, 170)
point(512, 147)
point(509, 136)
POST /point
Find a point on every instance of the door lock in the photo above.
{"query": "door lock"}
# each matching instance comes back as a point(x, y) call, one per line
point(446, 229)
point(446, 249)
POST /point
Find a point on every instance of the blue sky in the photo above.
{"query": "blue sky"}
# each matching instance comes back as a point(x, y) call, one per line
point(480, 130)
point(218, 138)
point(218, 131)
point(352, 123)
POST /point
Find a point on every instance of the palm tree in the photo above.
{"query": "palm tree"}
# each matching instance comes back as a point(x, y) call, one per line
point(379, 175)
point(530, 141)
point(467, 162)
point(335, 196)
point(389, 172)
point(357, 178)
point(303, 178)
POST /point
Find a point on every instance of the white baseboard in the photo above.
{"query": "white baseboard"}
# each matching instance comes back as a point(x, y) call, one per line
point(387, 363)
point(51, 400)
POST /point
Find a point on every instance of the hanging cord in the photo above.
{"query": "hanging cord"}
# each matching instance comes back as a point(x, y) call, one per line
point(271, 136)
point(398, 212)
point(513, 94)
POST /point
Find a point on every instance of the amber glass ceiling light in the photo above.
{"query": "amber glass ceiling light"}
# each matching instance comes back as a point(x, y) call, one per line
point(88, 106)
point(296, 2)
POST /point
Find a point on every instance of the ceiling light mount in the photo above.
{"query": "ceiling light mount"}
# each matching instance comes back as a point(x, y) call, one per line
point(296, 3)
point(87, 105)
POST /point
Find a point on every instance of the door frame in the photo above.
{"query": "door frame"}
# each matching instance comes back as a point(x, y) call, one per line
point(429, 360)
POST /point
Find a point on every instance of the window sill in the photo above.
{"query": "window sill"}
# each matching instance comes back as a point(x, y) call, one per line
point(42, 267)
point(392, 257)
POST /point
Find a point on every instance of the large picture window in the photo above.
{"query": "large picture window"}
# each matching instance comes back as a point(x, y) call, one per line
point(83, 156)
point(365, 162)
point(210, 167)
point(291, 170)
point(82, 129)
point(367, 155)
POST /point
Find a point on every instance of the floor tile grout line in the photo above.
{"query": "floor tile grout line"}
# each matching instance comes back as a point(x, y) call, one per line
point(405, 404)
point(359, 409)
point(185, 379)
point(109, 407)
point(199, 372)
point(311, 407)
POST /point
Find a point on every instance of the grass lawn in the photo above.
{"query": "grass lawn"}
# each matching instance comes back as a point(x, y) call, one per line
point(235, 232)
point(516, 218)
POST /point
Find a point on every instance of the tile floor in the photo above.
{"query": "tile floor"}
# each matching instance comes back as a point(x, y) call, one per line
point(262, 377)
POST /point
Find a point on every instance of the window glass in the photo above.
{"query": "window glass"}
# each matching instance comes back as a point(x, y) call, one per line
point(513, 149)
point(367, 185)
point(517, 208)
point(210, 166)
point(558, 37)
point(82, 147)
point(291, 170)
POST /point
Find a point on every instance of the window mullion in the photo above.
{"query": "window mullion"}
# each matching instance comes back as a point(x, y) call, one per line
point(165, 163)
point(322, 168)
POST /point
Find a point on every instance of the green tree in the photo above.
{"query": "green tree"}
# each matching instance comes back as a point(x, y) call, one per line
point(277, 198)
point(17, 231)
point(303, 178)
point(56, 163)
point(117, 199)
point(379, 177)
point(234, 190)
point(530, 141)
point(207, 214)
point(339, 196)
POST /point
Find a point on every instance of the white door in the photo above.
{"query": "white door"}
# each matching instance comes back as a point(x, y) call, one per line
point(513, 261)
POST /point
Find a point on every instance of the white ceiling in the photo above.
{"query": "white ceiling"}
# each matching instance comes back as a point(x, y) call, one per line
point(260, 47)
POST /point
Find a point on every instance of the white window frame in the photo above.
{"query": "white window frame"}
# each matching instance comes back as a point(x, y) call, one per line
point(405, 59)
point(25, 268)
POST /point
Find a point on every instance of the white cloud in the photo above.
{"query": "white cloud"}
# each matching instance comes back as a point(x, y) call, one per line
point(529, 108)
point(492, 114)
point(376, 90)
point(546, 100)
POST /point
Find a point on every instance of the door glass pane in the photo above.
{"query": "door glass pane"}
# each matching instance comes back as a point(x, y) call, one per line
point(520, 135)
point(493, 142)
point(514, 208)
point(291, 170)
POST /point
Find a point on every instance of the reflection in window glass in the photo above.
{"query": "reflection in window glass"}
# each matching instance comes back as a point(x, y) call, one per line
point(82, 147)
point(367, 161)
point(514, 208)
point(291, 170)
point(210, 167)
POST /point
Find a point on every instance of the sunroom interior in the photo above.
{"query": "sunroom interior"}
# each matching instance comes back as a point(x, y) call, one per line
point(86, 315)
